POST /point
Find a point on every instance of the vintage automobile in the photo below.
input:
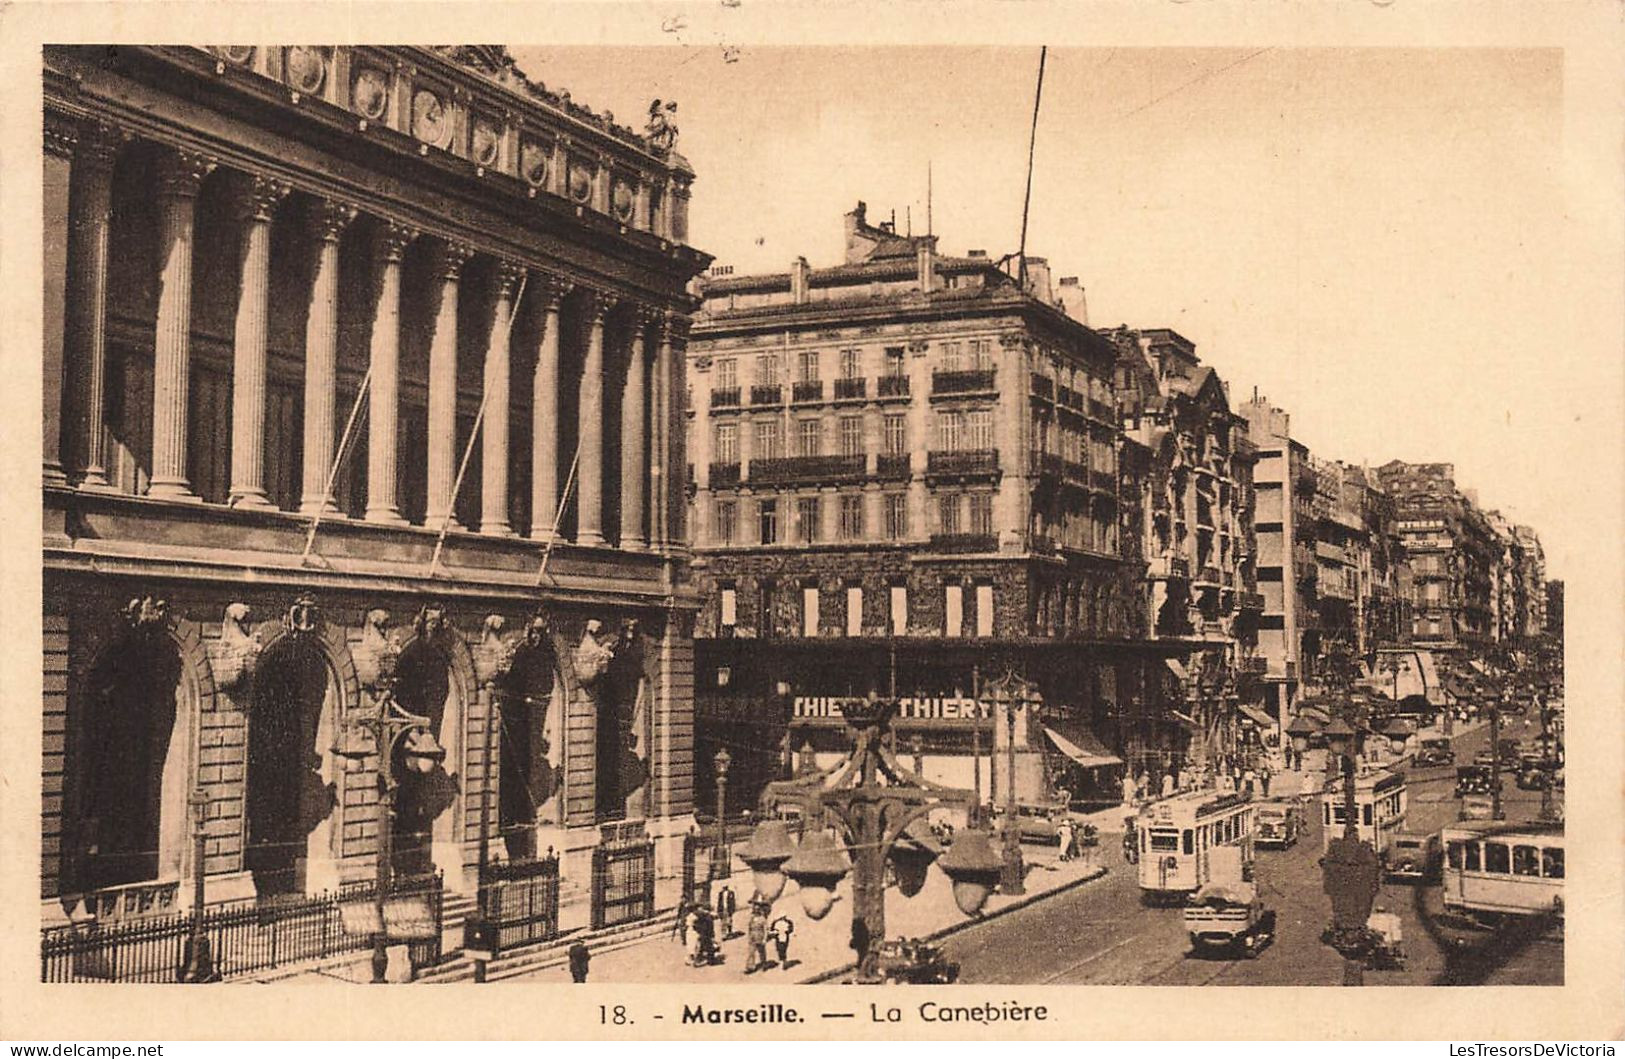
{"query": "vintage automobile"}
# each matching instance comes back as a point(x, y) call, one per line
point(1476, 778)
point(1229, 917)
point(1279, 823)
point(1433, 752)
point(1534, 773)
point(914, 962)
point(1414, 856)
point(1508, 752)
point(1039, 824)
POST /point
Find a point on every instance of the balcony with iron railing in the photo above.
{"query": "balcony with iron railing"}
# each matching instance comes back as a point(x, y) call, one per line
point(724, 475)
point(727, 397)
point(963, 462)
point(1046, 464)
point(1043, 386)
point(964, 543)
point(892, 386)
point(770, 394)
point(1102, 411)
point(974, 380)
point(807, 390)
point(1163, 567)
point(1103, 481)
point(854, 389)
point(784, 470)
point(892, 465)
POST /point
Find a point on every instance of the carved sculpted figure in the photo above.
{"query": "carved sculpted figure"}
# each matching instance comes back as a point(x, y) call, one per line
point(661, 129)
point(592, 656)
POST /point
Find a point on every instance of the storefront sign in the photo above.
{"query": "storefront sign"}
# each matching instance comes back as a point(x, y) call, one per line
point(943, 708)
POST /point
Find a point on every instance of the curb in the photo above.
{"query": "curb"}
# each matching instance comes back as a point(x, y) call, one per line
point(954, 928)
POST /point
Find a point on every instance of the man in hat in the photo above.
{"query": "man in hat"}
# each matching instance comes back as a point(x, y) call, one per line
point(727, 905)
point(780, 930)
point(580, 957)
point(756, 938)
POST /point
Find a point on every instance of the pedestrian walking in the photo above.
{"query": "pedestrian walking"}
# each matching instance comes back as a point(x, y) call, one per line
point(1249, 780)
point(691, 935)
point(756, 939)
point(780, 930)
point(706, 932)
point(1063, 832)
point(580, 957)
point(1128, 789)
point(1264, 780)
point(727, 905)
point(679, 925)
point(1168, 784)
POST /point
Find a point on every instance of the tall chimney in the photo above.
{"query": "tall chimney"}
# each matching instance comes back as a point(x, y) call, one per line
point(925, 257)
point(798, 281)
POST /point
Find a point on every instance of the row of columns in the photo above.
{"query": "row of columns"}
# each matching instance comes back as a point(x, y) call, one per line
point(92, 150)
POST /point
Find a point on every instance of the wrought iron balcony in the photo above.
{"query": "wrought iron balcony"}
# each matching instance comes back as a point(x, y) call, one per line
point(725, 398)
point(1166, 566)
point(963, 543)
point(976, 380)
point(724, 475)
point(892, 465)
point(773, 394)
point(850, 389)
point(1043, 386)
point(1047, 463)
point(1105, 481)
point(893, 386)
point(807, 390)
point(1102, 411)
point(963, 462)
point(1075, 472)
point(793, 469)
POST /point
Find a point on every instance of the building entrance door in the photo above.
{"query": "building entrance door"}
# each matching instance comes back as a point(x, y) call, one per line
point(291, 794)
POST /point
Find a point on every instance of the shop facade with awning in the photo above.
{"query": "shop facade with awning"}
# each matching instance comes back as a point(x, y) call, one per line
point(1077, 742)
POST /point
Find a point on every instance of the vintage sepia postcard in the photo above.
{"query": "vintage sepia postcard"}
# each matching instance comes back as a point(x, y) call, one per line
point(728, 520)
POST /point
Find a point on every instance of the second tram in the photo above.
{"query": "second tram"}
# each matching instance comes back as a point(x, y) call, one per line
point(1380, 804)
point(1178, 834)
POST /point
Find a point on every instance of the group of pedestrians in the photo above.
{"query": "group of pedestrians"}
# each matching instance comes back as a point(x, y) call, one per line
point(701, 929)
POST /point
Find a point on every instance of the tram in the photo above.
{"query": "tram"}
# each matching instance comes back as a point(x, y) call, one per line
point(1177, 835)
point(1493, 869)
point(1380, 804)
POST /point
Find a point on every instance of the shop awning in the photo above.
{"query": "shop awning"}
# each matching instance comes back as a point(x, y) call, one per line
point(1259, 717)
point(1077, 742)
point(1189, 722)
point(1177, 667)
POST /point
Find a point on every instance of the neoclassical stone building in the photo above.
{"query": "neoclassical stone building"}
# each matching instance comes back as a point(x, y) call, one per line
point(284, 289)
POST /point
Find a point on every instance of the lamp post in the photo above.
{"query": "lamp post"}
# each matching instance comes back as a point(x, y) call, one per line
point(199, 963)
point(873, 800)
point(722, 857)
point(391, 731)
point(1548, 808)
point(1007, 690)
point(1497, 812)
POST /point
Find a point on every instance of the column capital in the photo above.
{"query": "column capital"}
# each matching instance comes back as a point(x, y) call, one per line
point(643, 314)
point(674, 327)
point(62, 133)
point(258, 195)
point(598, 304)
point(392, 240)
point(552, 288)
point(452, 257)
point(329, 218)
point(507, 276)
point(96, 144)
point(181, 171)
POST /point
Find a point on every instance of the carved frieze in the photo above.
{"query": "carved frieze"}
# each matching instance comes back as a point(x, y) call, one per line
point(485, 142)
point(431, 117)
point(579, 178)
point(235, 54)
point(592, 655)
point(305, 68)
point(493, 658)
point(535, 161)
point(369, 92)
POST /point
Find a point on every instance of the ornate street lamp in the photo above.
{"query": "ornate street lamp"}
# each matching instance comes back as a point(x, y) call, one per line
point(873, 801)
point(1009, 690)
point(390, 731)
point(722, 857)
point(765, 854)
point(199, 964)
point(1350, 867)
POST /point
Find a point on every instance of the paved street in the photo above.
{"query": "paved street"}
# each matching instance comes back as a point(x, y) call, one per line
point(1103, 935)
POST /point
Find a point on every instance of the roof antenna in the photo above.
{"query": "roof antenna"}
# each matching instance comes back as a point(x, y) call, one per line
point(908, 218)
point(1032, 144)
point(930, 229)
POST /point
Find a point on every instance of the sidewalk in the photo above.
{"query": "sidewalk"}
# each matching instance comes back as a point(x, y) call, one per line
point(821, 946)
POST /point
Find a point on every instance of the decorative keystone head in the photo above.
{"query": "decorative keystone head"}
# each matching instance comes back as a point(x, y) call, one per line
point(375, 656)
point(237, 654)
point(430, 622)
point(493, 659)
point(147, 614)
point(303, 618)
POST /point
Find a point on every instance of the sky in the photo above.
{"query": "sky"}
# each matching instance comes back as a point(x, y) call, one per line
point(1377, 240)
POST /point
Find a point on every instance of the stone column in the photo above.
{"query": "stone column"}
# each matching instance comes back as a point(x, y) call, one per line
point(61, 137)
point(180, 175)
point(674, 344)
point(85, 353)
point(443, 389)
point(544, 486)
point(328, 219)
point(634, 427)
point(384, 360)
point(661, 480)
point(257, 200)
point(494, 432)
point(590, 472)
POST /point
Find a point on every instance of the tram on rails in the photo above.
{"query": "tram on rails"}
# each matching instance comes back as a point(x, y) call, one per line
point(1380, 803)
point(1178, 834)
point(1494, 869)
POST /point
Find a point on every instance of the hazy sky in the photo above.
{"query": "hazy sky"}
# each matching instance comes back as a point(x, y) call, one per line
point(1375, 239)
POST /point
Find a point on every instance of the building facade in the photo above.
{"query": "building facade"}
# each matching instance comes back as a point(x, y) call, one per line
point(1453, 552)
point(330, 332)
point(906, 479)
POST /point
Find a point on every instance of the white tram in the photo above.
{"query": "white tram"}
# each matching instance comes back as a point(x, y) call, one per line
point(1494, 869)
point(1177, 835)
point(1380, 804)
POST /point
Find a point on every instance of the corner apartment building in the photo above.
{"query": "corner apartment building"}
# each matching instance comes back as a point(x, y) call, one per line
point(906, 478)
point(241, 240)
point(1453, 554)
point(1362, 580)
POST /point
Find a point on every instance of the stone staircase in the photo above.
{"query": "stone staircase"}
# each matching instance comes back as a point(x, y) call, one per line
point(457, 967)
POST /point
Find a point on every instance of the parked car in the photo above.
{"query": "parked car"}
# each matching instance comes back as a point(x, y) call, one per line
point(1279, 823)
point(1038, 823)
point(1509, 751)
point(1415, 856)
point(1433, 752)
point(1476, 778)
point(1534, 773)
